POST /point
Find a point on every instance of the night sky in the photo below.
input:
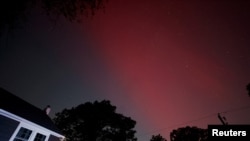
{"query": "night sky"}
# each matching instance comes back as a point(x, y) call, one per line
point(164, 63)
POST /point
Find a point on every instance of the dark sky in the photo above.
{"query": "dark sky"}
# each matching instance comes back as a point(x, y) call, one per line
point(165, 63)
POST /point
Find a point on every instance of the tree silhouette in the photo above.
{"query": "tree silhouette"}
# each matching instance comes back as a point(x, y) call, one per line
point(189, 134)
point(248, 89)
point(157, 138)
point(95, 121)
point(12, 12)
point(71, 9)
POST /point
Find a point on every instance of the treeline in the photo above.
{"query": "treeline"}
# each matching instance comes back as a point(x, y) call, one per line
point(99, 121)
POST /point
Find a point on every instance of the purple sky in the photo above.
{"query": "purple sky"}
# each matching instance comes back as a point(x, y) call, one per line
point(166, 64)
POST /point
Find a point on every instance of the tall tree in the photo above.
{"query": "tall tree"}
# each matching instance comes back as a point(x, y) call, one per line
point(95, 121)
point(12, 12)
point(189, 134)
point(157, 138)
point(248, 89)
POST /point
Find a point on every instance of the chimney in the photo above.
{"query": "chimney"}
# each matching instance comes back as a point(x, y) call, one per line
point(47, 110)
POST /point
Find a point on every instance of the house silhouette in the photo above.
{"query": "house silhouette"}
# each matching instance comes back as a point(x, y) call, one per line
point(20, 120)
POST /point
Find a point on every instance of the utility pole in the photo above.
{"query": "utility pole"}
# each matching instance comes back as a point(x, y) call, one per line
point(222, 119)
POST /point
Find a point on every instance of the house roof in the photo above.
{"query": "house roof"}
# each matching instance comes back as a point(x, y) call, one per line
point(15, 105)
